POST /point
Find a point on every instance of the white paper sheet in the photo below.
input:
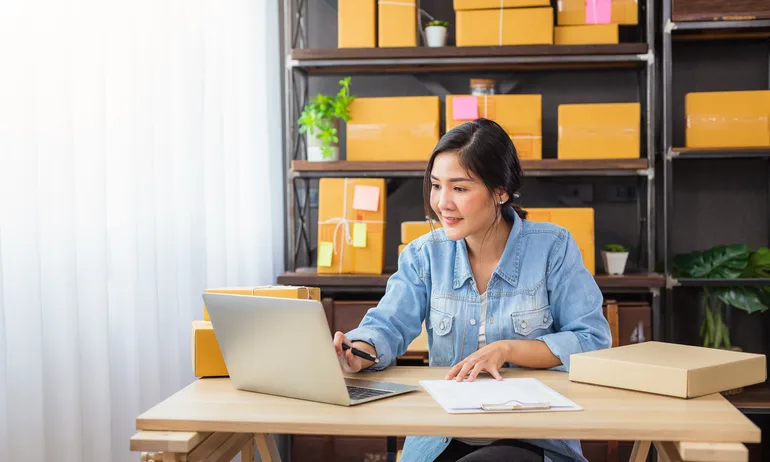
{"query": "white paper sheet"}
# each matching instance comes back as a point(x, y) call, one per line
point(465, 397)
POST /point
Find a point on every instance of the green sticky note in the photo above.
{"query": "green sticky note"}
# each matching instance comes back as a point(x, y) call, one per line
point(325, 250)
point(359, 234)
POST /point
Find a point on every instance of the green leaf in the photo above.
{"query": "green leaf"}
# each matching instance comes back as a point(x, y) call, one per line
point(748, 299)
point(724, 261)
point(726, 339)
point(709, 326)
point(759, 264)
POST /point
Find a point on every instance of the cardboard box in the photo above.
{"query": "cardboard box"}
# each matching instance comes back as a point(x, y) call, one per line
point(520, 26)
point(306, 293)
point(520, 115)
point(599, 131)
point(411, 230)
point(207, 360)
point(573, 12)
point(356, 23)
point(397, 23)
point(668, 369)
point(579, 221)
point(351, 225)
point(401, 248)
point(592, 34)
point(727, 119)
point(460, 5)
point(393, 128)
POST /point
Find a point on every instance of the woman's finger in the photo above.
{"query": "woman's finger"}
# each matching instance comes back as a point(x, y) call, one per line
point(464, 371)
point(476, 371)
point(495, 373)
point(455, 369)
point(339, 339)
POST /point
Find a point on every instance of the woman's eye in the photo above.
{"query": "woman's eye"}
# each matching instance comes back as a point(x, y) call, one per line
point(459, 189)
point(434, 186)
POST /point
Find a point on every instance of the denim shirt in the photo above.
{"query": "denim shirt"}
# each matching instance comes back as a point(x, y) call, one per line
point(540, 290)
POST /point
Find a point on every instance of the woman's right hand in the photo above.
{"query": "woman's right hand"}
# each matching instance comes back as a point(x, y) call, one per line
point(348, 361)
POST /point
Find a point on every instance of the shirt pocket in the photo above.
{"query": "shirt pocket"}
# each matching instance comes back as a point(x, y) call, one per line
point(529, 323)
point(442, 328)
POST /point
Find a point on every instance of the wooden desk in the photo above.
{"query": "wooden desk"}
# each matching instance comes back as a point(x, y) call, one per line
point(214, 406)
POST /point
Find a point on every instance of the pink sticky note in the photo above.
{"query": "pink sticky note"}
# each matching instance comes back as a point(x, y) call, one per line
point(465, 108)
point(598, 11)
point(366, 198)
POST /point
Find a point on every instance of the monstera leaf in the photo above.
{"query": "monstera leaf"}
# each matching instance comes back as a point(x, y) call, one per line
point(723, 262)
point(759, 264)
point(748, 299)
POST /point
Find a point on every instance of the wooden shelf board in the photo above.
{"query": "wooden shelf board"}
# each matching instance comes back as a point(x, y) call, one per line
point(753, 400)
point(721, 153)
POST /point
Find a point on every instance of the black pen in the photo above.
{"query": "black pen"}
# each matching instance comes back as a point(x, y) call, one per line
point(359, 353)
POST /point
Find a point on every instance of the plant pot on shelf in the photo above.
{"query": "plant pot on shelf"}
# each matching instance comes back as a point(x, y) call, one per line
point(435, 36)
point(614, 262)
point(315, 147)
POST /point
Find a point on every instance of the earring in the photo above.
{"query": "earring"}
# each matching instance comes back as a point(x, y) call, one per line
point(502, 202)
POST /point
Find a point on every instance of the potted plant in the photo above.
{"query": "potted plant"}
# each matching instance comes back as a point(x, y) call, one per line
point(320, 121)
point(615, 257)
point(435, 33)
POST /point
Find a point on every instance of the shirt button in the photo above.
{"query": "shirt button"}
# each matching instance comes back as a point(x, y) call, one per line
point(441, 325)
point(473, 322)
point(545, 320)
point(491, 319)
point(446, 440)
point(523, 324)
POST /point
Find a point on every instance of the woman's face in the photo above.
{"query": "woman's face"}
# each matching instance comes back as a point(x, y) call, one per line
point(461, 201)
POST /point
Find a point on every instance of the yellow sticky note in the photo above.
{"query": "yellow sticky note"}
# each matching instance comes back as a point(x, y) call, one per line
point(325, 250)
point(359, 234)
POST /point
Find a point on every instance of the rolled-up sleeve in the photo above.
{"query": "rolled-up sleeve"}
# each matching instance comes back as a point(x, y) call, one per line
point(576, 304)
point(397, 319)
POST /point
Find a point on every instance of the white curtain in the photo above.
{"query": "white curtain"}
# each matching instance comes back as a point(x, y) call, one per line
point(140, 162)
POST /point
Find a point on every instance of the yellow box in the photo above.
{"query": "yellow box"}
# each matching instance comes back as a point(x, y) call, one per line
point(520, 26)
point(599, 131)
point(460, 5)
point(401, 248)
point(397, 23)
point(207, 360)
point(356, 24)
point(520, 115)
point(573, 12)
point(338, 216)
point(592, 34)
point(393, 128)
point(411, 230)
point(727, 119)
point(579, 221)
point(670, 369)
point(306, 293)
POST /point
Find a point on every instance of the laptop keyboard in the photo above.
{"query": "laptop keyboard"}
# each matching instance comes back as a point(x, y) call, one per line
point(363, 393)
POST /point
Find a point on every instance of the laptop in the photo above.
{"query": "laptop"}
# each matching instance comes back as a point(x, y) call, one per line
point(283, 346)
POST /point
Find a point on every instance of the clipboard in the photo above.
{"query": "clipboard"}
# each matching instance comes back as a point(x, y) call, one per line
point(515, 405)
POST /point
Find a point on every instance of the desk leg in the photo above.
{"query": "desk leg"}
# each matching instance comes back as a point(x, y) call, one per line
point(248, 453)
point(640, 451)
point(267, 448)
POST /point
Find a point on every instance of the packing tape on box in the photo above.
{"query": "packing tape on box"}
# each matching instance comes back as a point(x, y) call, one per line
point(345, 224)
point(372, 132)
point(592, 131)
point(721, 119)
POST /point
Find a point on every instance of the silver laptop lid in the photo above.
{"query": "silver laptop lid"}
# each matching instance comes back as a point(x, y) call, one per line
point(279, 346)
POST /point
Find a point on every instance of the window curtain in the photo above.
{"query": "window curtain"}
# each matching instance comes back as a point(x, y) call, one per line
point(140, 162)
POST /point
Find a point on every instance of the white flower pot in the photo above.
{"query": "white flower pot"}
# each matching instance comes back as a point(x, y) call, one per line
point(435, 36)
point(614, 262)
point(315, 148)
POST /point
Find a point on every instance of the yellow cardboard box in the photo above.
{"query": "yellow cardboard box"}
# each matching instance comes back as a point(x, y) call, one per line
point(599, 131)
point(520, 26)
point(356, 24)
point(496, 4)
point(411, 230)
point(520, 115)
point(403, 128)
point(724, 119)
point(592, 34)
point(579, 221)
point(279, 291)
point(207, 360)
point(573, 12)
point(397, 23)
point(351, 225)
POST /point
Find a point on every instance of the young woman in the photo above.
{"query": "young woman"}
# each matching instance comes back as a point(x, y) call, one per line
point(494, 289)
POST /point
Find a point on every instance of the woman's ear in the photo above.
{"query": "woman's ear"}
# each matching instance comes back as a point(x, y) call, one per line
point(502, 197)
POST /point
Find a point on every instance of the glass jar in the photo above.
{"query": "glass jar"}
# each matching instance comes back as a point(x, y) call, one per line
point(482, 87)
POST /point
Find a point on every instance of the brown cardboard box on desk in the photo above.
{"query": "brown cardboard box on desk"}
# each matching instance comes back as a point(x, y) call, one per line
point(579, 221)
point(668, 369)
point(519, 115)
point(573, 12)
point(590, 34)
point(267, 291)
point(599, 131)
point(356, 23)
point(504, 26)
point(723, 119)
point(351, 225)
point(393, 128)
point(397, 23)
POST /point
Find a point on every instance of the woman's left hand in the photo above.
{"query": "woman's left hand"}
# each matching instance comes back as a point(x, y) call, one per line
point(490, 359)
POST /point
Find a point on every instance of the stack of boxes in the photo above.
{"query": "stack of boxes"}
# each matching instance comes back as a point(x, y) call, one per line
point(372, 23)
point(207, 358)
point(584, 22)
point(503, 22)
point(727, 119)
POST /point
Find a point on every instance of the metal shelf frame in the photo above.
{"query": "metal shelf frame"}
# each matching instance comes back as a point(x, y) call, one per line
point(702, 30)
point(302, 63)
